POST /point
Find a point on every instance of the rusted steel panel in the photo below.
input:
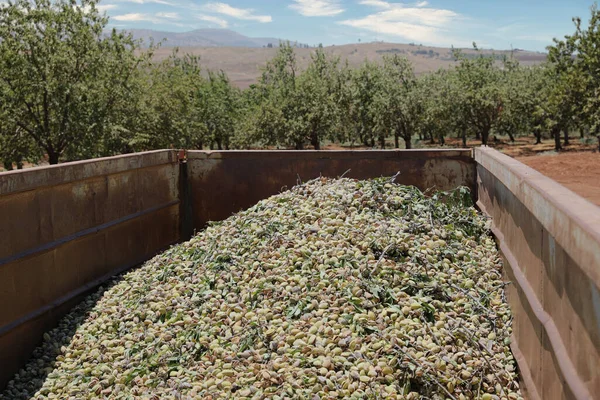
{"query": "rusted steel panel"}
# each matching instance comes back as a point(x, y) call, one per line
point(84, 222)
point(38, 177)
point(54, 212)
point(573, 221)
point(551, 241)
point(223, 183)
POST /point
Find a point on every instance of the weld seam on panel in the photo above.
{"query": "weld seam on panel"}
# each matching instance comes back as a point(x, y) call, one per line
point(85, 232)
point(587, 233)
point(524, 369)
point(170, 161)
point(72, 294)
point(565, 364)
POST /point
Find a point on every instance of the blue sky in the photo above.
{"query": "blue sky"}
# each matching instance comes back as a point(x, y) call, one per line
point(525, 24)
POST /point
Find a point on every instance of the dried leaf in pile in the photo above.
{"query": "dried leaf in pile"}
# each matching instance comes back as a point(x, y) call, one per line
point(334, 289)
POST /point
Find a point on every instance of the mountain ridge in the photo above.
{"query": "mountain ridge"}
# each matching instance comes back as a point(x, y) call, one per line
point(205, 38)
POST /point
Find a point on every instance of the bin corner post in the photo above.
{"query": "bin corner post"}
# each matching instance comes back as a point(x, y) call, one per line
point(186, 212)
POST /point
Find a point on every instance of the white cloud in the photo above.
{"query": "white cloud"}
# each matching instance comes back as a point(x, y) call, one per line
point(239, 13)
point(168, 15)
point(215, 20)
point(165, 2)
point(158, 18)
point(105, 7)
point(87, 8)
point(317, 8)
point(415, 22)
point(376, 3)
point(135, 17)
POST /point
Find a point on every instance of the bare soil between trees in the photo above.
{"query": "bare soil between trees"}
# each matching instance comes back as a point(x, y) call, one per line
point(579, 172)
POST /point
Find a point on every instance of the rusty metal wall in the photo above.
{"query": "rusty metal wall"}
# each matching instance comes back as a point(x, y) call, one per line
point(550, 240)
point(64, 229)
point(224, 182)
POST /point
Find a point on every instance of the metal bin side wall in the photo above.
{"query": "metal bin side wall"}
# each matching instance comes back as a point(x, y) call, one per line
point(225, 182)
point(65, 229)
point(550, 240)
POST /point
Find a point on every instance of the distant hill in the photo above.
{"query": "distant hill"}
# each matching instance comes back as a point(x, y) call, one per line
point(243, 63)
point(204, 38)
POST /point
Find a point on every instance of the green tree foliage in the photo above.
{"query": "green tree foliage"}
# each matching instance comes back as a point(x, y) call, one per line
point(220, 114)
point(479, 80)
point(64, 81)
point(401, 111)
point(575, 66)
point(172, 108)
point(298, 108)
point(365, 96)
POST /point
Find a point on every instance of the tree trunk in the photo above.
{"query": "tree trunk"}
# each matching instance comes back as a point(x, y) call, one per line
point(219, 144)
point(598, 142)
point(431, 140)
point(566, 133)
point(372, 141)
point(442, 140)
point(8, 165)
point(299, 146)
point(582, 132)
point(396, 141)
point(382, 142)
point(556, 134)
point(464, 137)
point(511, 136)
point(315, 142)
point(53, 157)
point(200, 145)
point(477, 135)
point(538, 136)
point(407, 143)
point(484, 137)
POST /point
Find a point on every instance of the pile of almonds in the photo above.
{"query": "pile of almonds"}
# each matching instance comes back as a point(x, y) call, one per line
point(335, 289)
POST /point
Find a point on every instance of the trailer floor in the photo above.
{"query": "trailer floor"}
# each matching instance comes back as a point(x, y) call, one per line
point(580, 172)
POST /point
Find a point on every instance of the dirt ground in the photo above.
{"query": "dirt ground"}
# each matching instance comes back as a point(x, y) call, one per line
point(580, 172)
point(576, 167)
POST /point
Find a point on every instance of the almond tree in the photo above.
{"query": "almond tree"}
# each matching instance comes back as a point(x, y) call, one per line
point(479, 80)
point(66, 81)
point(296, 108)
point(401, 111)
point(576, 61)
